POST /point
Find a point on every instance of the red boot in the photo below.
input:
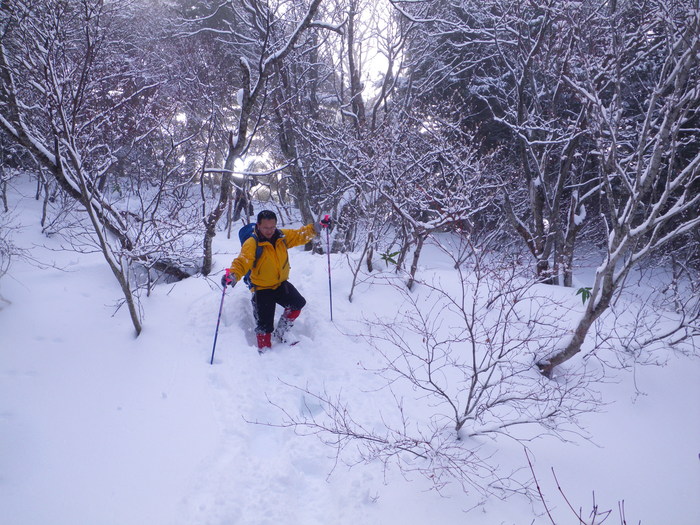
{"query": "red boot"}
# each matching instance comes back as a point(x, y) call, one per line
point(285, 323)
point(264, 341)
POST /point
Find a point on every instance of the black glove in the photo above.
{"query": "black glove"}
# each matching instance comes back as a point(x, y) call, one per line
point(327, 222)
point(228, 279)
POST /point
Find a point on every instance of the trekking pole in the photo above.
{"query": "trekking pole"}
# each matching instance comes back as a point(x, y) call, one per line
point(326, 222)
point(218, 319)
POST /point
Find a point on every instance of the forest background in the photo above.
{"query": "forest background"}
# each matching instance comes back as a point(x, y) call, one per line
point(540, 135)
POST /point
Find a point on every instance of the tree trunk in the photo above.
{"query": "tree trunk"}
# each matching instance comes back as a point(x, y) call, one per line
point(569, 270)
point(39, 184)
point(287, 136)
point(573, 347)
point(117, 262)
point(213, 218)
point(3, 189)
point(370, 251)
point(209, 234)
point(414, 263)
point(598, 303)
point(45, 204)
point(544, 273)
point(129, 298)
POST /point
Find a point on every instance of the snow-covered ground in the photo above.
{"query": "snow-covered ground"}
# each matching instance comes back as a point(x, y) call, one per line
point(98, 427)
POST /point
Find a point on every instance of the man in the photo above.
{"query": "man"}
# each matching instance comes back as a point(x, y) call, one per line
point(269, 274)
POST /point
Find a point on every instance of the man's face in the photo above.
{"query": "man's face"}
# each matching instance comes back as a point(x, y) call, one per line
point(267, 227)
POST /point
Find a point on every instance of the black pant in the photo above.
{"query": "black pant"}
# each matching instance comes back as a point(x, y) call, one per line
point(265, 301)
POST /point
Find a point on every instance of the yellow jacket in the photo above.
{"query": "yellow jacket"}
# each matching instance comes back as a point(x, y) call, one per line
point(272, 268)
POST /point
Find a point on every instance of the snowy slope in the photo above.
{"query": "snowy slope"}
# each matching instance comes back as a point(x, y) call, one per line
point(99, 428)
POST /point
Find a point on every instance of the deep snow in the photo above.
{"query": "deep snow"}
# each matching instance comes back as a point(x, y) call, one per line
point(98, 427)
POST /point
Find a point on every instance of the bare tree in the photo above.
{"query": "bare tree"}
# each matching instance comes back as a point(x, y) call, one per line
point(648, 174)
point(8, 250)
point(496, 70)
point(456, 365)
point(422, 182)
point(4, 178)
point(596, 516)
point(333, 106)
point(552, 149)
point(267, 33)
point(657, 310)
point(5, 173)
point(69, 100)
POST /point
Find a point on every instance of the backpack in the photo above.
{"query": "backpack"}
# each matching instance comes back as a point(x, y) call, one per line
point(249, 231)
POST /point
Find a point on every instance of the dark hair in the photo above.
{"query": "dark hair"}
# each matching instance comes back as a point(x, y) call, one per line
point(267, 214)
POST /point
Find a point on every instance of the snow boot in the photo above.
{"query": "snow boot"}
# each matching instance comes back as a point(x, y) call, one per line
point(264, 342)
point(284, 324)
